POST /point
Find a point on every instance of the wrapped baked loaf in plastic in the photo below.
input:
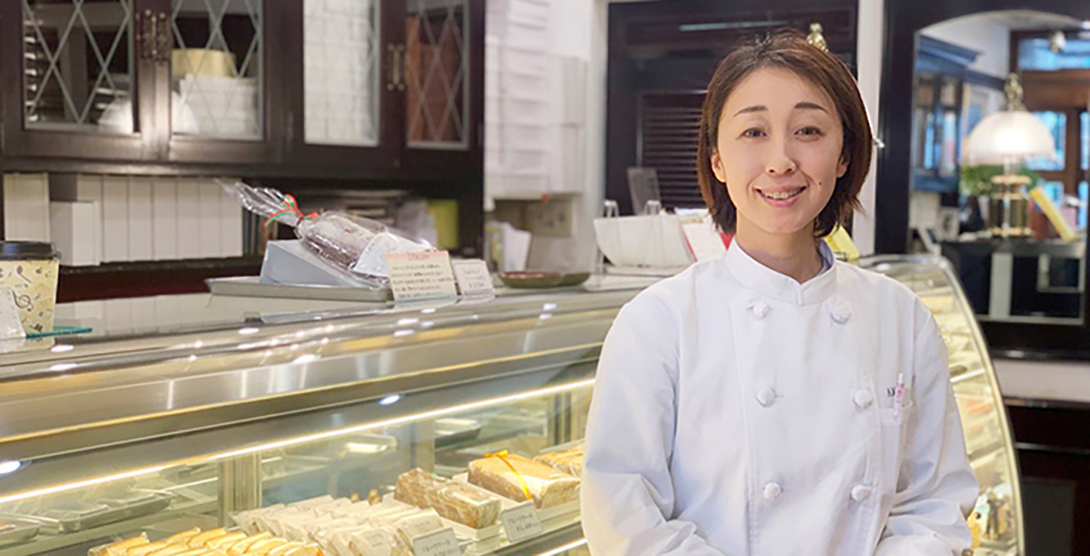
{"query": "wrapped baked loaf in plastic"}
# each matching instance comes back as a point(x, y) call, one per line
point(569, 461)
point(513, 476)
point(452, 500)
point(352, 244)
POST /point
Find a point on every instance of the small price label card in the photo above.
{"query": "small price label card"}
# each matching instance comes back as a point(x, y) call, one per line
point(473, 277)
point(521, 522)
point(415, 276)
point(375, 541)
point(438, 543)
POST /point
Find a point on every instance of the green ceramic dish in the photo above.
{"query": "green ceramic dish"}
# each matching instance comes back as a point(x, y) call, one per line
point(530, 279)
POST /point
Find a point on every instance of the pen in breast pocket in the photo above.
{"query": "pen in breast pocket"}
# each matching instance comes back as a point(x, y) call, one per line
point(898, 398)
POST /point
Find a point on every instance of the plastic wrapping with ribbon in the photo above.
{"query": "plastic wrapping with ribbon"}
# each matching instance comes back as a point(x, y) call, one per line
point(353, 244)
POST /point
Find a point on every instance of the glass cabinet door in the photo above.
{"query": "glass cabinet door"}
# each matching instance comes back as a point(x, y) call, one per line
point(341, 58)
point(436, 59)
point(78, 66)
point(71, 72)
point(217, 69)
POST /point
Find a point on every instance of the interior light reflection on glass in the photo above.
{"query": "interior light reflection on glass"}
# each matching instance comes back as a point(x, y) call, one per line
point(390, 400)
point(402, 333)
point(428, 311)
point(545, 316)
point(61, 348)
point(9, 467)
point(549, 307)
point(248, 330)
point(63, 367)
point(308, 358)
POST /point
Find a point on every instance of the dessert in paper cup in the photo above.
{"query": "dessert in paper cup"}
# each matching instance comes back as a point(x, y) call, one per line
point(29, 269)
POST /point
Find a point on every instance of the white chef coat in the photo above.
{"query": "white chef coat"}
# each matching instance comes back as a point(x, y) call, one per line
point(737, 412)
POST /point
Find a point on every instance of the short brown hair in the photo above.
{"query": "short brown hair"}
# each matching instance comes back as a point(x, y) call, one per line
point(788, 50)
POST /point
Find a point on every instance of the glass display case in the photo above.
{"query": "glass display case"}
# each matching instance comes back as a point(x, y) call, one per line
point(998, 512)
point(449, 429)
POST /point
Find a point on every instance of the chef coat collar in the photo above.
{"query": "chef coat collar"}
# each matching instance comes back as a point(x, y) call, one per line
point(772, 284)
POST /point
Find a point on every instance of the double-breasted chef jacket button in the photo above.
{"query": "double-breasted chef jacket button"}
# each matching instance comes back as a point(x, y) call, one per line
point(760, 309)
point(861, 492)
point(841, 313)
point(863, 398)
point(772, 491)
point(766, 395)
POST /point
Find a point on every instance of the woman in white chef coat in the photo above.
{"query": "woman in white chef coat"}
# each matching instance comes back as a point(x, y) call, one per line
point(775, 401)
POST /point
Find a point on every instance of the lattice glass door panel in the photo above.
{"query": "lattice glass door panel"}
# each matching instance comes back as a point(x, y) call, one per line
point(217, 68)
point(341, 56)
point(78, 65)
point(436, 73)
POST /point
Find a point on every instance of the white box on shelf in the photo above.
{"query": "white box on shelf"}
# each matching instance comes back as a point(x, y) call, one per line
point(517, 110)
point(524, 183)
point(533, 12)
point(210, 196)
point(31, 207)
point(74, 231)
point(231, 225)
point(524, 60)
point(525, 85)
point(141, 230)
point(115, 219)
point(527, 160)
point(517, 136)
point(526, 35)
point(164, 218)
point(85, 188)
point(189, 207)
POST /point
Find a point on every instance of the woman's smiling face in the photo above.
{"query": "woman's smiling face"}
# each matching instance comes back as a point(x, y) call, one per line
point(779, 151)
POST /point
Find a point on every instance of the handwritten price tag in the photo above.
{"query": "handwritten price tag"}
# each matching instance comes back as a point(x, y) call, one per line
point(521, 522)
point(421, 275)
point(375, 541)
point(473, 277)
point(438, 543)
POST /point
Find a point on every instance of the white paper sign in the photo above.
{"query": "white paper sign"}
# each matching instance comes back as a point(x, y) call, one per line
point(416, 276)
point(473, 277)
point(521, 522)
point(704, 239)
point(11, 328)
point(438, 543)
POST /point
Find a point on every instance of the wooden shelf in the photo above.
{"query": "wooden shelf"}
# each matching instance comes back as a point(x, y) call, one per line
point(141, 279)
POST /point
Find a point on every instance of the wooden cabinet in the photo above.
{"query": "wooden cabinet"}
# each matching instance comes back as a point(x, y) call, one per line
point(340, 89)
point(337, 94)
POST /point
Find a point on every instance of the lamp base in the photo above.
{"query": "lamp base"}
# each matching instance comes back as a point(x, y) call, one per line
point(1008, 208)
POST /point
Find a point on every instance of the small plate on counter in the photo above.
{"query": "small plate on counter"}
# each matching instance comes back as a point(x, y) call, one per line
point(543, 279)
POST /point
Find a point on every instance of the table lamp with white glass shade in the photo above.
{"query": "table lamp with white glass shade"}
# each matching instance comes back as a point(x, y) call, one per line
point(1009, 137)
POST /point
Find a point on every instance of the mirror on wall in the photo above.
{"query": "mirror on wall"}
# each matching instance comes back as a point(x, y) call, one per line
point(1000, 160)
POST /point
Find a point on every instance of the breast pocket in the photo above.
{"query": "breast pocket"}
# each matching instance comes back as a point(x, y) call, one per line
point(895, 441)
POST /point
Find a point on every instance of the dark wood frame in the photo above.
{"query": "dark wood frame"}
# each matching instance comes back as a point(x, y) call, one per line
point(19, 142)
point(282, 158)
point(904, 18)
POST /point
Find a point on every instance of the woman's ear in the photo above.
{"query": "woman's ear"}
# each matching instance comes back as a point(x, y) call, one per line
point(717, 167)
point(842, 165)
